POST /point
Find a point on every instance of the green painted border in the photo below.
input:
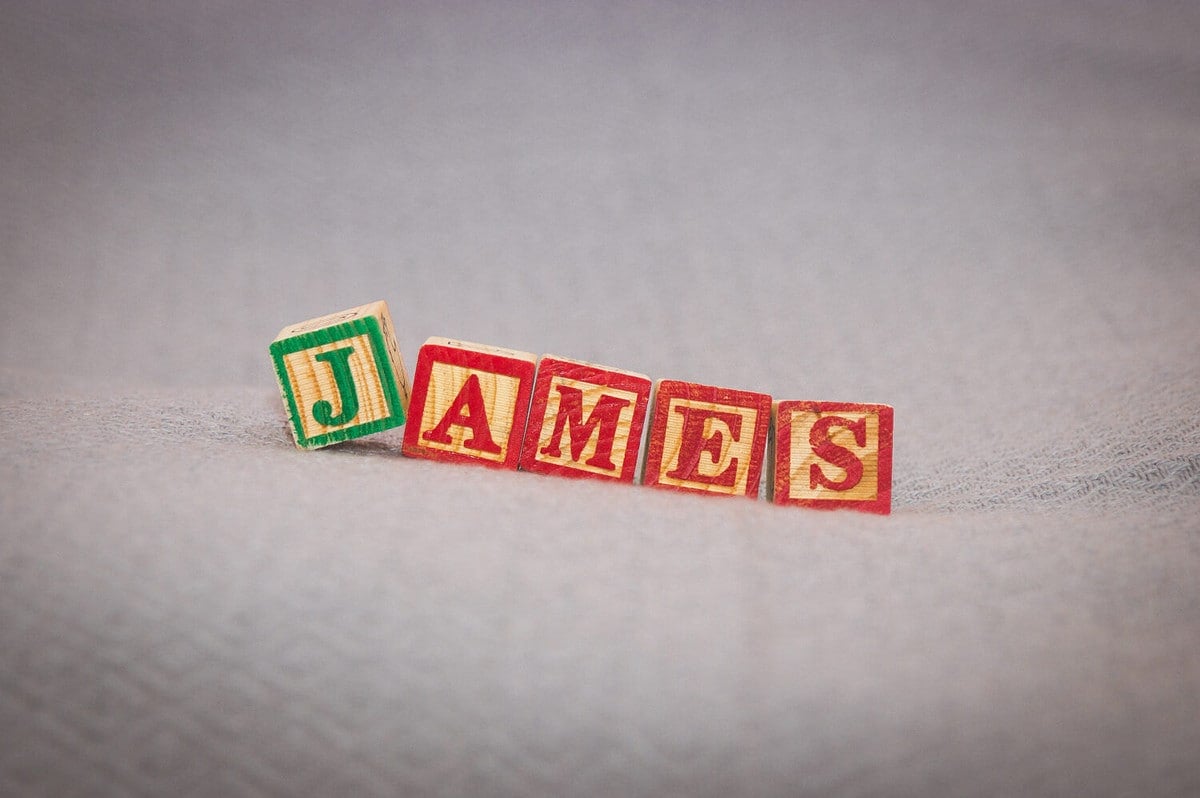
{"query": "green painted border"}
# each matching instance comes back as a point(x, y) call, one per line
point(368, 326)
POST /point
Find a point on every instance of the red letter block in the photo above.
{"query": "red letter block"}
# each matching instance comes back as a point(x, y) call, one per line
point(833, 455)
point(585, 420)
point(706, 439)
point(469, 403)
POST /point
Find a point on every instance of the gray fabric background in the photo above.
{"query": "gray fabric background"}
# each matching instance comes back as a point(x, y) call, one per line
point(985, 214)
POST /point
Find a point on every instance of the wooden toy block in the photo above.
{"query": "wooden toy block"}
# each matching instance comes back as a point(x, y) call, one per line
point(585, 420)
point(832, 455)
point(341, 375)
point(706, 439)
point(469, 403)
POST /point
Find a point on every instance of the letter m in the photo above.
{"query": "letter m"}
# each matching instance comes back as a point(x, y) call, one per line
point(602, 422)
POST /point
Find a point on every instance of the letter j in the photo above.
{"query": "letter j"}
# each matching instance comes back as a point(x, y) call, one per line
point(339, 361)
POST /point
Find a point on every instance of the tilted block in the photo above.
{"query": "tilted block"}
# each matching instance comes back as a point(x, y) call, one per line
point(585, 420)
point(341, 376)
point(706, 439)
point(833, 455)
point(469, 403)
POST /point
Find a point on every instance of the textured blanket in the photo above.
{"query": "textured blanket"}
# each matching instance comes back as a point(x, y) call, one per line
point(986, 215)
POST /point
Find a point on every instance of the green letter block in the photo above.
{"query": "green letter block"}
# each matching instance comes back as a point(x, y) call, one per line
point(341, 376)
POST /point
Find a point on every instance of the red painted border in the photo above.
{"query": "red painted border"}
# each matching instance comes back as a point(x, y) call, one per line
point(881, 504)
point(481, 361)
point(677, 389)
point(551, 366)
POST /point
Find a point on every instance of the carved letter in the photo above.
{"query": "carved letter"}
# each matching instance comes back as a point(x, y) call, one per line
point(466, 410)
point(823, 447)
point(601, 421)
point(692, 444)
point(322, 411)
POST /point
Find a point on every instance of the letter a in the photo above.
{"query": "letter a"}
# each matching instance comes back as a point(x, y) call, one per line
point(467, 410)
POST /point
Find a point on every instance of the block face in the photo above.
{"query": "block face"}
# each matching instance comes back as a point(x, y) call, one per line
point(341, 376)
point(469, 403)
point(451, 388)
point(707, 439)
point(833, 455)
point(585, 420)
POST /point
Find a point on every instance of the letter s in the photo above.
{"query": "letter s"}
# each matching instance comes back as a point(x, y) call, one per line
point(826, 449)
